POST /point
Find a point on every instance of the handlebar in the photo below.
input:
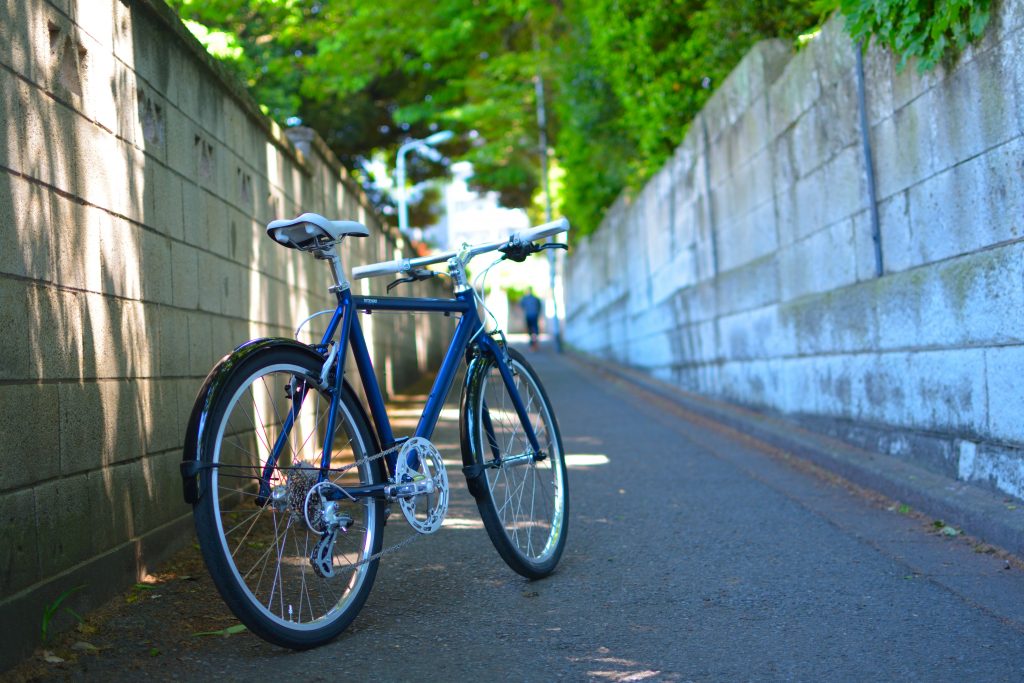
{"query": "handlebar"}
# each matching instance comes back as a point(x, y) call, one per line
point(382, 268)
point(541, 231)
point(407, 264)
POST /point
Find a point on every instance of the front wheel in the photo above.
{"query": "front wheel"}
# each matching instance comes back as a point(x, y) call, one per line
point(293, 568)
point(523, 499)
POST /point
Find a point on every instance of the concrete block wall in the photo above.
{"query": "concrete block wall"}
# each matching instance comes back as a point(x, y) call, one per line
point(746, 268)
point(135, 184)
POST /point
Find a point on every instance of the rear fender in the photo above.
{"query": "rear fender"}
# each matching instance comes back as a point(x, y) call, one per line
point(210, 392)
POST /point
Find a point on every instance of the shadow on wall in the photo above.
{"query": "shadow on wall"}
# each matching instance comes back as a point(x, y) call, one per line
point(91, 428)
point(133, 192)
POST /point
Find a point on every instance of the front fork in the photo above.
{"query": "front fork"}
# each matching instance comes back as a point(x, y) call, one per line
point(503, 362)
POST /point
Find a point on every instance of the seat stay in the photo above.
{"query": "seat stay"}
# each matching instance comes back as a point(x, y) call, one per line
point(347, 314)
point(282, 439)
point(342, 317)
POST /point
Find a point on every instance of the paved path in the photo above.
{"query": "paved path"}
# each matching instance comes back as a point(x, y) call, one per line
point(694, 553)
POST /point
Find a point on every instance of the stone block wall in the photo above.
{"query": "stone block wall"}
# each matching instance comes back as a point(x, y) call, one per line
point(746, 268)
point(135, 183)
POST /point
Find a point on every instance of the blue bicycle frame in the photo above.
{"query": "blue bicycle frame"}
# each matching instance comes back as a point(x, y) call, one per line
point(345, 324)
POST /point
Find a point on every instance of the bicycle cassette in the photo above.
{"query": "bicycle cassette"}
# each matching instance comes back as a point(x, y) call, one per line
point(421, 485)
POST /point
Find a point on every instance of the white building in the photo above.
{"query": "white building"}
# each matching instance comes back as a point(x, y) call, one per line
point(473, 217)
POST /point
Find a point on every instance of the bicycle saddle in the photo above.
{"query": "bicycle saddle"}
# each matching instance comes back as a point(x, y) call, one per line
point(311, 230)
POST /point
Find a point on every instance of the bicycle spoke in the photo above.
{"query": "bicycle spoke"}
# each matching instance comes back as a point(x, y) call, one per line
point(278, 581)
point(316, 424)
point(304, 586)
point(261, 422)
point(254, 517)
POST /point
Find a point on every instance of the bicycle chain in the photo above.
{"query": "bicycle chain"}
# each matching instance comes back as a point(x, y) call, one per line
point(392, 548)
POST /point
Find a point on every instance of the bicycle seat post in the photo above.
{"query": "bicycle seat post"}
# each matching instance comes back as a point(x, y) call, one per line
point(330, 254)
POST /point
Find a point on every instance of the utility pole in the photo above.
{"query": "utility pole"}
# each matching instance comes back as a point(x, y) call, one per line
point(542, 121)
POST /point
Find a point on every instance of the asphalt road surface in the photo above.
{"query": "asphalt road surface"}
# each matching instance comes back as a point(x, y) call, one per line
point(694, 554)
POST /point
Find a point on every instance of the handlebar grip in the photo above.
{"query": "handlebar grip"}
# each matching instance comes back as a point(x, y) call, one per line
point(382, 268)
point(541, 231)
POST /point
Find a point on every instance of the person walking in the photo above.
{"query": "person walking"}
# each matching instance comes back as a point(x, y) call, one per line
point(531, 306)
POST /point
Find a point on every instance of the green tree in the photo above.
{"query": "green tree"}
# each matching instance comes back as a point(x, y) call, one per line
point(369, 76)
point(640, 72)
point(623, 79)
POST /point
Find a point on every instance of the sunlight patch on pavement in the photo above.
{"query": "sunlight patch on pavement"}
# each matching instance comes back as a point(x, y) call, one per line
point(461, 523)
point(572, 460)
point(624, 676)
point(586, 459)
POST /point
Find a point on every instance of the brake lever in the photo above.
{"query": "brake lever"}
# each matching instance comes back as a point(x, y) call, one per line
point(415, 275)
point(553, 245)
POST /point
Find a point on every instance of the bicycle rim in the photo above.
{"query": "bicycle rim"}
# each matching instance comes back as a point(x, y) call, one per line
point(265, 547)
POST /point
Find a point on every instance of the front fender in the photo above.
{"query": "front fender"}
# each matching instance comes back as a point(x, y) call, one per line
point(472, 461)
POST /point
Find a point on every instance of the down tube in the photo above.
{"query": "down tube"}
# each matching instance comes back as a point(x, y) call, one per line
point(469, 324)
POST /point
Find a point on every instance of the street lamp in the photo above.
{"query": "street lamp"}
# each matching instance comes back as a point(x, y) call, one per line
point(424, 145)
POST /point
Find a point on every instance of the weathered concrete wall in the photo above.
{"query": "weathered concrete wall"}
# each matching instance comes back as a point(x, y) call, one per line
point(746, 269)
point(135, 183)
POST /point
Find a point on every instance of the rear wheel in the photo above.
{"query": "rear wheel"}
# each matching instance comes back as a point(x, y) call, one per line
point(259, 523)
point(523, 499)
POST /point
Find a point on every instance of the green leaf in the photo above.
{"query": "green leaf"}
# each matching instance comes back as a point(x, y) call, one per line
point(225, 632)
point(979, 19)
point(931, 31)
point(622, 80)
point(51, 610)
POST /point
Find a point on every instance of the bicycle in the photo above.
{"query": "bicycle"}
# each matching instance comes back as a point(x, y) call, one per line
point(291, 479)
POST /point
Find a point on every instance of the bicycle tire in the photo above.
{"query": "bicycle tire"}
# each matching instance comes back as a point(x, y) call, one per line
point(529, 538)
point(257, 549)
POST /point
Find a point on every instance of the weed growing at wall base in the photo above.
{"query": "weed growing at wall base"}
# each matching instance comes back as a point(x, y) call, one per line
point(51, 610)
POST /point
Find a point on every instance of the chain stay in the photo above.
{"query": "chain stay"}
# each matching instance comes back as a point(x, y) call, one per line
point(346, 468)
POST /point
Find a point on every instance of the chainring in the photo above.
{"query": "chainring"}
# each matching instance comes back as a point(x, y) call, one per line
point(425, 511)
